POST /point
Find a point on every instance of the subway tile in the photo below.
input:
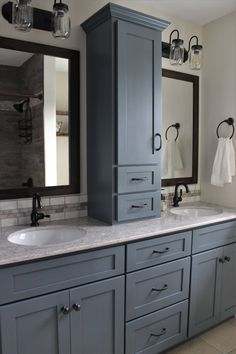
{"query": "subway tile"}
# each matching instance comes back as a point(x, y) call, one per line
point(57, 216)
point(83, 213)
point(57, 201)
point(24, 220)
point(8, 205)
point(9, 222)
point(72, 199)
point(24, 203)
point(83, 198)
point(72, 214)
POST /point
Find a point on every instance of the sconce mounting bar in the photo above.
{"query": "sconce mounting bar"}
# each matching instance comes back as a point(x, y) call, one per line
point(41, 18)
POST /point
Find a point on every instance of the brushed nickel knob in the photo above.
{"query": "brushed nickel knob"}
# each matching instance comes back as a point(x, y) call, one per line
point(76, 307)
point(65, 310)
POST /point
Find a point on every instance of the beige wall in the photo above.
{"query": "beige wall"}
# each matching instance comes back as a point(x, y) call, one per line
point(81, 10)
point(219, 93)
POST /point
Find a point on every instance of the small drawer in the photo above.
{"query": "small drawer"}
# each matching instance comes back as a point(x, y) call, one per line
point(154, 288)
point(158, 250)
point(214, 236)
point(137, 206)
point(138, 179)
point(42, 277)
point(157, 332)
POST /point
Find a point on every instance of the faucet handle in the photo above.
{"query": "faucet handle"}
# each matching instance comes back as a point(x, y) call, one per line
point(47, 216)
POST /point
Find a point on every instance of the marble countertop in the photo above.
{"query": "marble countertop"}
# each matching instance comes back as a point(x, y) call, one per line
point(100, 235)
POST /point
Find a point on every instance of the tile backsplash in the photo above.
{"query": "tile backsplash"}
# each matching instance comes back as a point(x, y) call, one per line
point(17, 212)
point(194, 194)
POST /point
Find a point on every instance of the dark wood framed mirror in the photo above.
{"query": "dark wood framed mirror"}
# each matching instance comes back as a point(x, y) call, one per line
point(180, 127)
point(39, 119)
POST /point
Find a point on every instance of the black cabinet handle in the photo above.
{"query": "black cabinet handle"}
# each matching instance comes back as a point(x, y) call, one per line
point(165, 287)
point(76, 307)
point(139, 179)
point(221, 260)
point(161, 252)
point(163, 331)
point(160, 142)
point(65, 310)
point(138, 206)
point(227, 259)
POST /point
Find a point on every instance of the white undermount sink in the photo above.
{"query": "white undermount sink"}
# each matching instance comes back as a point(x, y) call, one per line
point(45, 236)
point(196, 211)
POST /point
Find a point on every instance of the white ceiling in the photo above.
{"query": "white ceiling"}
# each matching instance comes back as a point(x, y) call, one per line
point(198, 11)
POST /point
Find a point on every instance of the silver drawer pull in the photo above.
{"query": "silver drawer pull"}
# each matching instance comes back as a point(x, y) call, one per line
point(161, 252)
point(139, 179)
point(138, 206)
point(163, 331)
point(165, 287)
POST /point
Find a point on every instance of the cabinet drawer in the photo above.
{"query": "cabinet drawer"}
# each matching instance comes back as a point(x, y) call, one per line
point(136, 206)
point(138, 179)
point(62, 273)
point(157, 287)
point(214, 236)
point(158, 250)
point(157, 332)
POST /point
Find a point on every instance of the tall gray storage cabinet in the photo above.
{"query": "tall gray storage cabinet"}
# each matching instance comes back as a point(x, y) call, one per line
point(123, 114)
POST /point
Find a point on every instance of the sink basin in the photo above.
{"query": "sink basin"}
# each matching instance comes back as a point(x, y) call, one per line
point(44, 236)
point(195, 211)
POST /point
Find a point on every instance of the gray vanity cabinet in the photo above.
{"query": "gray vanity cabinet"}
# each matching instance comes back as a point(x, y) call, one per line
point(123, 114)
point(88, 319)
point(36, 326)
point(213, 279)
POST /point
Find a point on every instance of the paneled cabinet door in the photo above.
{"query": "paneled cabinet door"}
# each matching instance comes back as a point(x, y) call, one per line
point(205, 290)
point(97, 318)
point(139, 87)
point(36, 326)
point(228, 288)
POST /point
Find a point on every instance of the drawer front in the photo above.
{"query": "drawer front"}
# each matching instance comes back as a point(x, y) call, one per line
point(158, 250)
point(136, 206)
point(62, 273)
point(154, 288)
point(157, 332)
point(138, 179)
point(214, 236)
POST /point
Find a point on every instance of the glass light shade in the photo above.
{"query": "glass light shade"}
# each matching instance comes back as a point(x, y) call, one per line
point(195, 57)
point(22, 15)
point(177, 52)
point(61, 24)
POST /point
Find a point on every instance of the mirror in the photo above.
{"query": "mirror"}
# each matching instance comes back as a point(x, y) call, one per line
point(180, 112)
point(39, 119)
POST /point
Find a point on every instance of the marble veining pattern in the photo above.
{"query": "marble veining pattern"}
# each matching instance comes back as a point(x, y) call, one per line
point(100, 235)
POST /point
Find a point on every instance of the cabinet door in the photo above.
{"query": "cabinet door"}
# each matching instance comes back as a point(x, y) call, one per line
point(205, 290)
point(139, 94)
point(98, 324)
point(228, 289)
point(36, 326)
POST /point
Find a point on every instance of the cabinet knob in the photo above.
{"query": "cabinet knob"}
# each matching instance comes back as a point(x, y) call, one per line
point(221, 260)
point(76, 307)
point(227, 259)
point(65, 310)
point(161, 252)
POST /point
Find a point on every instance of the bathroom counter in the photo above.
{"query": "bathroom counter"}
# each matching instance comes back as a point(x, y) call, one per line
point(100, 235)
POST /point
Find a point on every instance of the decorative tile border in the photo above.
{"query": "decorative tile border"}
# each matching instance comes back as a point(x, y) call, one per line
point(17, 212)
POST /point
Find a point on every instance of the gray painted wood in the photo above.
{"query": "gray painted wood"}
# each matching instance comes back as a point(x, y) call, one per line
point(38, 278)
point(214, 236)
point(123, 13)
point(36, 326)
point(139, 179)
point(205, 291)
point(158, 250)
point(139, 99)
point(99, 326)
point(155, 288)
point(138, 205)
point(172, 321)
point(228, 286)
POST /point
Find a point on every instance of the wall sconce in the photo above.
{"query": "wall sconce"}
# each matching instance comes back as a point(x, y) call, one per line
point(24, 17)
point(176, 55)
point(195, 54)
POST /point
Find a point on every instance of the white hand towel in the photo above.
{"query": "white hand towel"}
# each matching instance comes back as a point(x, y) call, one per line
point(224, 163)
point(172, 159)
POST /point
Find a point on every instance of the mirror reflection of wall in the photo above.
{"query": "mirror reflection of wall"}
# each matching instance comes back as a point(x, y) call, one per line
point(177, 107)
point(33, 88)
